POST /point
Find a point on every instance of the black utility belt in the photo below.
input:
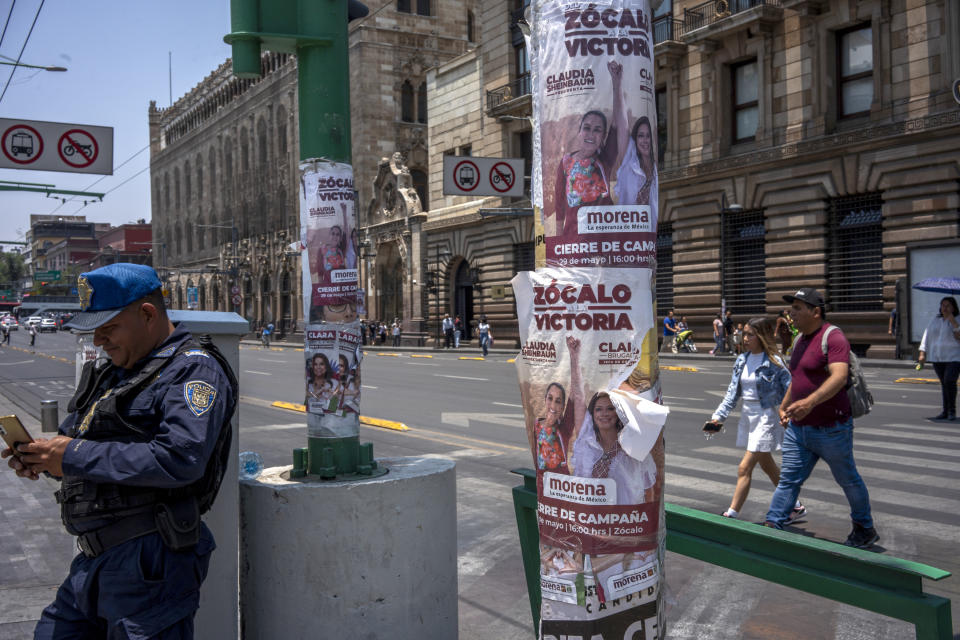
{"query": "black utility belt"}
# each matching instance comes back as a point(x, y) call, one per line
point(178, 525)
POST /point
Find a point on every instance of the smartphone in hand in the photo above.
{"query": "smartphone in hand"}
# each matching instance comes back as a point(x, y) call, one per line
point(711, 426)
point(13, 433)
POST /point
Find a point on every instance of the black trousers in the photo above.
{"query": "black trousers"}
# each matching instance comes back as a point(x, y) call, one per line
point(948, 372)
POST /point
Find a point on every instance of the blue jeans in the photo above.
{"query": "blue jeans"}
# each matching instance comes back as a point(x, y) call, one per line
point(802, 448)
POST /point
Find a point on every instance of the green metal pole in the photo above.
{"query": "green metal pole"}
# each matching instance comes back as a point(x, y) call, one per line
point(323, 81)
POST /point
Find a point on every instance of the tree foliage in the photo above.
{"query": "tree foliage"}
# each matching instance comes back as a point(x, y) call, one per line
point(12, 269)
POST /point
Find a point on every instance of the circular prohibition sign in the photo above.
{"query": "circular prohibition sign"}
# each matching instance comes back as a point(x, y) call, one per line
point(21, 137)
point(78, 148)
point(502, 177)
point(466, 175)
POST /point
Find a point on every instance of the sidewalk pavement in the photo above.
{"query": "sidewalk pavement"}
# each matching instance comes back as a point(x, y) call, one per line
point(296, 342)
point(36, 549)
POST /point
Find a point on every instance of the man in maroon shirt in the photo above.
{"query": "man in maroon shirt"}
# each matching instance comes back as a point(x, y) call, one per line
point(816, 414)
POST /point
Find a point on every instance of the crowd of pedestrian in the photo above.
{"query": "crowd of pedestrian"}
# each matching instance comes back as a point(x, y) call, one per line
point(375, 332)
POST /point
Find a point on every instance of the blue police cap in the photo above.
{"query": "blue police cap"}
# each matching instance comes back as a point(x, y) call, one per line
point(104, 292)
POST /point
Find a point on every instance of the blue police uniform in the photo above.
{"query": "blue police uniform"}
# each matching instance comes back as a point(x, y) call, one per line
point(155, 445)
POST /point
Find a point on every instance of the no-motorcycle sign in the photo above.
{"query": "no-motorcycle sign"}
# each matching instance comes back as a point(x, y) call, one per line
point(55, 146)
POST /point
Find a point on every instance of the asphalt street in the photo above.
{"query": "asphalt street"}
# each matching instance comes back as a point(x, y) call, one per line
point(469, 410)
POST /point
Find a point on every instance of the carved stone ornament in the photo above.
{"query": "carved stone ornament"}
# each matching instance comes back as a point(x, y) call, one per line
point(393, 192)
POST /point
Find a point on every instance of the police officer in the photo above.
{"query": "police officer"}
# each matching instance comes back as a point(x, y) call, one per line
point(141, 455)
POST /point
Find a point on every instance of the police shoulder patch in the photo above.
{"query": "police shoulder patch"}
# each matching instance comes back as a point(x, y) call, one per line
point(199, 396)
point(166, 353)
point(196, 352)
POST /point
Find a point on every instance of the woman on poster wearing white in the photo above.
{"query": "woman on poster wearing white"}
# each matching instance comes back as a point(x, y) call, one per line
point(761, 378)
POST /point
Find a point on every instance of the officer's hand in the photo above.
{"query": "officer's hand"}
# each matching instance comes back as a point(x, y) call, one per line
point(15, 464)
point(45, 454)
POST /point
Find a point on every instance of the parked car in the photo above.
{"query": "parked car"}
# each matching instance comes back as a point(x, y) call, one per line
point(10, 323)
point(48, 324)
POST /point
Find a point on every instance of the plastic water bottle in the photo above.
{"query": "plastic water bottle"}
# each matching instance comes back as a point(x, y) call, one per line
point(251, 465)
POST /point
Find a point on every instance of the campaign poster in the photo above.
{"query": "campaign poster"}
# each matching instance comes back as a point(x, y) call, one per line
point(595, 159)
point(328, 225)
point(332, 372)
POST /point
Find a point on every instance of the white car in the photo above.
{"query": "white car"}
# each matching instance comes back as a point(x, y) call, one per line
point(48, 324)
point(33, 320)
point(10, 323)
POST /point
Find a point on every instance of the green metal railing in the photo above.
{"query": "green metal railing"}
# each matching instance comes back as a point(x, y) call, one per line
point(882, 584)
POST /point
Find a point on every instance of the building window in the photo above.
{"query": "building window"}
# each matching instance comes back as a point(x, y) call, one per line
point(522, 64)
point(403, 6)
point(199, 178)
point(745, 104)
point(855, 71)
point(664, 268)
point(422, 103)
point(419, 179)
point(406, 101)
point(186, 180)
point(855, 253)
point(466, 150)
point(471, 27)
point(661, 125)
point(524, 148)
point(524, 257)
point(743, 261)
point(423, 7)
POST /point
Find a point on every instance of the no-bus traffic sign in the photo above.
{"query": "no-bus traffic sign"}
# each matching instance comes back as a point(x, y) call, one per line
point(470, 176)
point(55, 146)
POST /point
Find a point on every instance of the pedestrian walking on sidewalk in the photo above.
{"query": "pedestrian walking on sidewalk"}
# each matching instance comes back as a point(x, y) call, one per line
point(818, 420)
point(447, 332)
point(760, 377)
point(941, 346)
point(717, 335)
point(139, 470)
point(395, 331)
point(669, 333)
point(32, 330)
point(728, 333)
point(457, 331)
point(483, 331)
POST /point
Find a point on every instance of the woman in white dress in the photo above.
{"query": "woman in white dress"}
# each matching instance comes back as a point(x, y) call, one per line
point(761, 378)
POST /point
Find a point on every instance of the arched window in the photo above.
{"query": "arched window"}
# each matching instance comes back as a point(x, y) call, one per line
point(199, 178)
point(420, 186)
point(166, 191)
point(176, 187)
point(227, 163)
point(406, 101)
point(422, 103)
point(282, 133)
point(244, 151)
point(262, 143)
point(186, 181)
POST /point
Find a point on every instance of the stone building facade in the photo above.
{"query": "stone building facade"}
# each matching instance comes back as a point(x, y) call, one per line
point(804, 143)
point(225, 156)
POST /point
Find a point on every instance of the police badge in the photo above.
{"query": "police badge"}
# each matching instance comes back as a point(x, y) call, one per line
point(199, 396)
point(85, 291)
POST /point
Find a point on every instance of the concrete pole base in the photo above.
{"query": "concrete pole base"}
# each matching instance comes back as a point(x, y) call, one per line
point(358, 559)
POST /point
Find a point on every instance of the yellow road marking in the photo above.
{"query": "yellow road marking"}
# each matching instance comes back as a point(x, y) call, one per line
point(393, 355)
point(373, 422)
point(416, 355)
point(669, 368)
point(469, 358)
point(512, 360)
point(918, 380)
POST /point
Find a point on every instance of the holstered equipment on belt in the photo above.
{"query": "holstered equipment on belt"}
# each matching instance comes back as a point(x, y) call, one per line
point(134, 510)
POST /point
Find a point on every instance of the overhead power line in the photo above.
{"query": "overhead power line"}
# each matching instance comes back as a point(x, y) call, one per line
point(7, 23)
point(101, 178)
point(29, 33)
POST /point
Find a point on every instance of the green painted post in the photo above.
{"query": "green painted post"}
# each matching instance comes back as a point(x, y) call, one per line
point(316, 31)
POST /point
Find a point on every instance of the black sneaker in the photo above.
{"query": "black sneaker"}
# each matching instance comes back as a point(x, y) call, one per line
point(862, 537)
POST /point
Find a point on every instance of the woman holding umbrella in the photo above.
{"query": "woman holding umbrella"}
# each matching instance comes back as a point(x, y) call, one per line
point(941, 346)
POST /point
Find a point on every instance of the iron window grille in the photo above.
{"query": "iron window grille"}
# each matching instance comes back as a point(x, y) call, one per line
point(855, 253)
point(744, 284)
point(664, 284)
point(524, 257)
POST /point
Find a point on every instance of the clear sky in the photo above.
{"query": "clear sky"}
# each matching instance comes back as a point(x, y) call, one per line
point(116, 53)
